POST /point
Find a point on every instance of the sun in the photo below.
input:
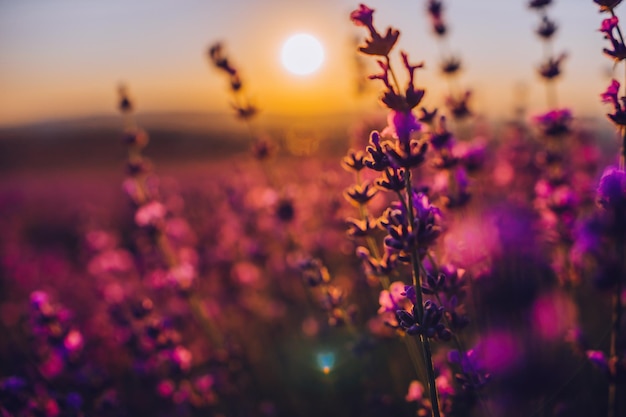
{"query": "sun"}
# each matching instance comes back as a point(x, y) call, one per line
point(302, 54)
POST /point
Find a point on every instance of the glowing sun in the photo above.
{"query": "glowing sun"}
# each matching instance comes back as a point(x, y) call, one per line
point(302, 54)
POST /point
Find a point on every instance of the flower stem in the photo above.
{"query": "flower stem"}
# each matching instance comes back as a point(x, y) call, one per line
point(615, 328)
point(417, 284)
point(393, 74)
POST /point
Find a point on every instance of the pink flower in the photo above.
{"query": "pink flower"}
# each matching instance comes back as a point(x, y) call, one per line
point(609, 24)
point(416, 391)
point(150, 214)
point(363, 16)
point(73, 341)
point(166, 388)
point(610, 95)
point(389, 300)
point(182, 357)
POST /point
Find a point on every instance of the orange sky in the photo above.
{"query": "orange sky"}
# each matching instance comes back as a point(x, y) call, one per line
point(64, 58)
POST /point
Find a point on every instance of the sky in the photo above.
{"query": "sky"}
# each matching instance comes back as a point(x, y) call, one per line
point(62, 59)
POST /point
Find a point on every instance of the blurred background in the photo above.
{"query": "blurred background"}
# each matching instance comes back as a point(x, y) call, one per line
point(102, 317)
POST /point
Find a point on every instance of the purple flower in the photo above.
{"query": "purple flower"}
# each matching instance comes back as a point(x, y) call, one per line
point(607, 5)
point(551, 68)
point(555, 122)
point(430, 326)
point(379, 45)
point(539, 4)
point(459, 105)
point(610, 95)
point(612, 189)
point(472, 375)
point(618, 52)
point(392, 299)
point(376, 44)
point(435, 9)
point(363, 16)
point(400, 125)
point(451, 65)
point(598, 358)
point(547, 28)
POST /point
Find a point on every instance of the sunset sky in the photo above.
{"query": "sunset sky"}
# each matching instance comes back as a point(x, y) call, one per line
point(64, 58)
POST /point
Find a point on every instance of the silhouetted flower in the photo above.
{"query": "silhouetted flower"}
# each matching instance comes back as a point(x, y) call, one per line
point(361, 228)
point(459, 105)
point(551, 68)
point(555, 122)
point(427, 116)
point(285, 211)
point(451, 65)
point(360, 194)
point(547, 28)
point(607, 5)
point(431, 325)
point(435, 11)
point(125, 103)
point(539, 4)
point(363, 16)
point(618, 53)
point(375, 44)
point(216, 55)
point(378, 159)
point(619, 104)
point(245, 112)
point(355, 160)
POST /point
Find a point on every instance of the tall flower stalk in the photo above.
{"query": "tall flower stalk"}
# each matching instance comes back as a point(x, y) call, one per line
point(410, 224)
point(451, 65)
point(612, 200)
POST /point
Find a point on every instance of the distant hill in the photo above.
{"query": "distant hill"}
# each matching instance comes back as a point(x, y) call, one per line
point(95, 140)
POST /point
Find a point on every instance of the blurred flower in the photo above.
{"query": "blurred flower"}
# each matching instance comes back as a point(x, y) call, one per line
point(451, 65)
point(166, 388)
point(618, 53)
point(216, 55)
point(607, 5)
point(416, 391)
point(553, 314)
point(459, 106)
point(73, 341)
point(551, 68)
point(355, 160)
point(182, 357)
point(363, 16)
point(150, 214)
point(435, 11)
point(375, 44)
point(539, 4)
point(610, 96)
point(393, 298)
point(554, 122)
point(612, 189)
point(547, 28)
point(400, 125)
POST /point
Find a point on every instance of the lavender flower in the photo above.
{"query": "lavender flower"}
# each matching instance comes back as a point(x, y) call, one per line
point(376, 44)
point(607, 5)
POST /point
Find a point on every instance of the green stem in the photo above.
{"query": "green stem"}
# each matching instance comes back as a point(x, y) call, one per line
point(393, 74)
point(417, 285)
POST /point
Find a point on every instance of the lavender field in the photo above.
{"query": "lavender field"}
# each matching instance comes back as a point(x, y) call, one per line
point(412, 258)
